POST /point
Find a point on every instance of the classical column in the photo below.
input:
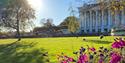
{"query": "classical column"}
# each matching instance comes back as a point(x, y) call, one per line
point(123, 18)
point(85, 21)
point(116, 19)
point(109, 20)
point(96, 27)
point(102, 21)
point(90, 21)
point(81, 18)
point(93, 20)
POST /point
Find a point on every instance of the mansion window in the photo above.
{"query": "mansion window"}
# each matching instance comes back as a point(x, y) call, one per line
point(99, 30)
point(93, 30)
point(87, 30)
point(106, 30)
point(83, 31)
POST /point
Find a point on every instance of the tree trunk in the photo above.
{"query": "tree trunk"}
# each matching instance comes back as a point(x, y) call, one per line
point(18, 28)
point(18, 31)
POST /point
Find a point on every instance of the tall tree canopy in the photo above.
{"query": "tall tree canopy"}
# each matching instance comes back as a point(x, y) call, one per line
point(65, 22)
point(17, 14)
point(72, 23)
point(47, 22)
point(114, 5)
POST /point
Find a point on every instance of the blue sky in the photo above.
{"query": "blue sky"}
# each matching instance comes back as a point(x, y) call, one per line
point(55, 9)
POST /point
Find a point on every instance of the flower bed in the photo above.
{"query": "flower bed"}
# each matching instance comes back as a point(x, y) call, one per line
point(115, 54)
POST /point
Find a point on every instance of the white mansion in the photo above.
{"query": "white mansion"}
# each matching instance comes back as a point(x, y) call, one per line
point(94, 20)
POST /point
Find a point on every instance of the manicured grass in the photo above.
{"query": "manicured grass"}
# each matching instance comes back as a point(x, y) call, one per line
point(29, 50)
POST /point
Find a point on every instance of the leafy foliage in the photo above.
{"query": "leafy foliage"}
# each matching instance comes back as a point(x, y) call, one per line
point(72, 23)
point(47, 22)
point(114, 5)
point(17, 10)
point(65, 22)
point(17, 15)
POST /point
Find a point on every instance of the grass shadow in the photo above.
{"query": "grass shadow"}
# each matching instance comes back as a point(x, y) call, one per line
point(99, 41)
point(17, 52)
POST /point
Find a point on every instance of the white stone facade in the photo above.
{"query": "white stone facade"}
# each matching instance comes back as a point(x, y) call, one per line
point(94, 20)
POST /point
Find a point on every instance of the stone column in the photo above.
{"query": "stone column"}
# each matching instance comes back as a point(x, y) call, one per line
point(123, 18)
point(96, 27)
point(85, 22)
point(109, 20)
point(90, 21)
point(116, 19)
point(81, 20)
point(102, 21)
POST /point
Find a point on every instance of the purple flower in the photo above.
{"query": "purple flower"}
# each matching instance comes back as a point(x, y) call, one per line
point(91, 56)
point(82, 49)
point(106, 50)
point(101, 55)
point(101, 60)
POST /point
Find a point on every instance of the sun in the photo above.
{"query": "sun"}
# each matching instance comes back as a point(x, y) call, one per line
point(35, 4)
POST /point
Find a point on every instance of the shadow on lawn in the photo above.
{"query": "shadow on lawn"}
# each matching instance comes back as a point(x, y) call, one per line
point(99, 41)
point(22, 53)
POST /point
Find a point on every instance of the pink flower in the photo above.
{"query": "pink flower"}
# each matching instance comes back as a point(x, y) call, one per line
point(116, 45)
point(65, 61)
point(83, 58)
point(122, 42)
point(115, 58)
point(70, 59)
point(92, 49)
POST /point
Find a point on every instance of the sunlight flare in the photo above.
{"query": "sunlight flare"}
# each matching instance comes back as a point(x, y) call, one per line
point(36, 4)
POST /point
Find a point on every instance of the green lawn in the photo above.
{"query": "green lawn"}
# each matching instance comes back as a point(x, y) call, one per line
point(30, 50)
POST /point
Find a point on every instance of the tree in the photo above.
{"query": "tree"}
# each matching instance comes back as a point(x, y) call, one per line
point(47, 22)
point(17, 15)
point(65, 22)
point(115, 6)
point(72, 23)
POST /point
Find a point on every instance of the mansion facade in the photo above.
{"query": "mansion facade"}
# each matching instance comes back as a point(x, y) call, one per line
point(94, 20)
